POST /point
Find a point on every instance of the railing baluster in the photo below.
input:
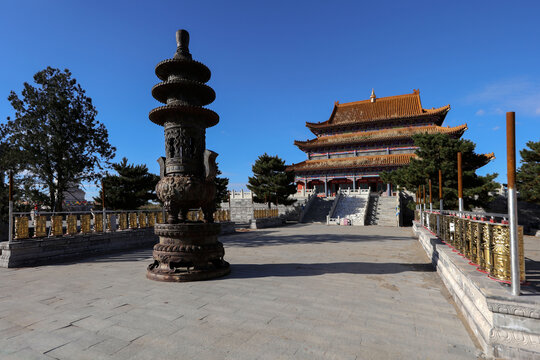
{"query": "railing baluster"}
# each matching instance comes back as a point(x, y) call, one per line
point(98, 222)
point(56, 225)
point(71, 224)
point(21, 227)
point(86, 224)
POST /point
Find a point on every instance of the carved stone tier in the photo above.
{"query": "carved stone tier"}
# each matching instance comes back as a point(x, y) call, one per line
point(186, 113)
point(188, 252)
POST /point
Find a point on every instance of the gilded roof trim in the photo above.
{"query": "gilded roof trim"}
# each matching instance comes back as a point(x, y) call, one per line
point(387, 108)
point(353, 162)
point(379, 135)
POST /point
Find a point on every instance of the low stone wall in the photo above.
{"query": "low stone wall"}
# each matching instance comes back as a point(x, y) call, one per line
point(241, 210)
point(228, 227)
point(505, 326)
point(265, 223)
point(49, 250)
point(33, 252)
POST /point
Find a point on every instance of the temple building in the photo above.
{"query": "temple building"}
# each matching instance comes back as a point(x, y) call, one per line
point(364, 138)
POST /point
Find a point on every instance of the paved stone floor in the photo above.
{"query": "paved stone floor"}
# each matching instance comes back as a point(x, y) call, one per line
point(297, 292)
point(531, 245)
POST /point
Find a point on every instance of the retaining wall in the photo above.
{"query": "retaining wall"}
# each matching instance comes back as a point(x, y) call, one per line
point(506, 326)
point(33, 252)
point(266, 223)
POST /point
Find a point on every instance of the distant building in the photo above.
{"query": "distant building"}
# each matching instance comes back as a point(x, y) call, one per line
point(364, 138)
point(74, 199)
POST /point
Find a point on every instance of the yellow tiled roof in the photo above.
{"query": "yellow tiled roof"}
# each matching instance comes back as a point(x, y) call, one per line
point(378, 135)
point(353, 162)
point(391, 107)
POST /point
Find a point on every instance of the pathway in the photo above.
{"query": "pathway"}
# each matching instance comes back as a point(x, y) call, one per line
point(297, 292)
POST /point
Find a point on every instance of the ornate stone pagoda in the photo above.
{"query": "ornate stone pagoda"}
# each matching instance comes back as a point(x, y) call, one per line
point(364, 138)
point(186, 251)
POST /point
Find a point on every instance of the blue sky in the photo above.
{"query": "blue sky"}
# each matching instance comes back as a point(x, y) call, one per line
point(277, 64)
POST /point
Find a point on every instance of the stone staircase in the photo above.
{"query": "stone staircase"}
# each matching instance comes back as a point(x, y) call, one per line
point(352, 208)
point(318, 210)
point(381, 211)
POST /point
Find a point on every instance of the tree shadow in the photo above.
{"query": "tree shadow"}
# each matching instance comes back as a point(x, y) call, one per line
point(243, 271)
point(271, 238)
point(532, 274)
point(117, 256)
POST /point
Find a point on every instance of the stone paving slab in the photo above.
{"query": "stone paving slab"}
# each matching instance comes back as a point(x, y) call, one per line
point(296, 292)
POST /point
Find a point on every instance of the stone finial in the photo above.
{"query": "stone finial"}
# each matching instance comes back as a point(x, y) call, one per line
point(182, 44)
point(372, 97)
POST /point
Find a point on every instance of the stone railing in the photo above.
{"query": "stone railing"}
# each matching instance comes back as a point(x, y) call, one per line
point(304, 193)
point(306, 208)
point(357, 192)
point(367, 193)
point(331, 220)
point(240, 194)
point(485, 243)
point(46, 224)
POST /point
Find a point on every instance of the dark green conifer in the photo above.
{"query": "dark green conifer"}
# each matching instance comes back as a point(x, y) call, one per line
point(270, 182)
point(439, 151)
point(528, 175)
point(133, 187)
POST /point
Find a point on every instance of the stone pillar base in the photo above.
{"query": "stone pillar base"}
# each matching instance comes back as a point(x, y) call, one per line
point(187, 252)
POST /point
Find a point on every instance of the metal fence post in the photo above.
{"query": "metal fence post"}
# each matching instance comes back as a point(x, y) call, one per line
point(460, 183)
point(10, 210)
point(512, 200)
point(440, 191)
point(103, 206)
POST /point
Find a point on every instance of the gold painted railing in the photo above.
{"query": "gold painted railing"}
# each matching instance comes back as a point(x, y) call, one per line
point(265, 213)
point(219, 215)
point(485, 244)
point(52, 225)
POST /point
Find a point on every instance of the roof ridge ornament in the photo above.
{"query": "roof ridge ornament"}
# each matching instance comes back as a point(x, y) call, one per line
point(373, 97)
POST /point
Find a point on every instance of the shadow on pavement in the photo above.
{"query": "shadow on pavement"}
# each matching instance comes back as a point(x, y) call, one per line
point(243, 271)
point(266, 238)
point(119, 256)
point(532, 273)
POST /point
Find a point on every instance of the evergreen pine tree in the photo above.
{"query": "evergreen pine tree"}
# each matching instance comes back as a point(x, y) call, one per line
point(55, 139)
point(270, 182)
point(528, 175)
point(439, 151)
point(133, 187)
point(222, 194)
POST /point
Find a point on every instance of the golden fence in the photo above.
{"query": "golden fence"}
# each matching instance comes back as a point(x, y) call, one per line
point(486, 245)
point(219, 215)
point(84, 223)
point(266, 213)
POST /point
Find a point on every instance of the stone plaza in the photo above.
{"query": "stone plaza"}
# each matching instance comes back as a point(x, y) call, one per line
point(295, 292)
